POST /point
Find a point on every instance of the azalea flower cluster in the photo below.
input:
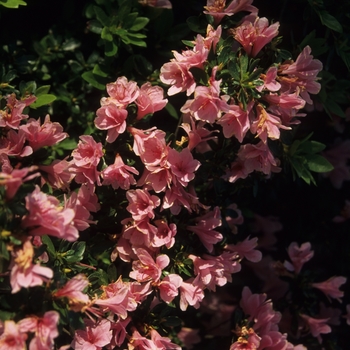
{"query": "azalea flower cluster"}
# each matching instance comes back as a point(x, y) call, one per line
point(169, 248)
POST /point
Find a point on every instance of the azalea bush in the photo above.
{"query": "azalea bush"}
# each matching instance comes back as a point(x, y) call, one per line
point(175, 176)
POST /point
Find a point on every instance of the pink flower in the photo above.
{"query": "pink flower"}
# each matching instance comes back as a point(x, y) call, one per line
point(24, 273)
point(46, 217)
point(162, 343)
point(299, 256)
point(168, 287)
point(72, 290)
point(317, 326)
point(204, 228)
point(246, 249)
point(269, 79)
point(12, 338)
point(47, 134)
point(165, 234)
point(216, 8)
point(122, 92)
point(150, 146)
point(212, 37)
point(13, 144)
point(178, 75)
point(182, 165)
point(86, 157)
point(146, 268)
point(118, 174)
point(141, 204)
point(119, 332)
point(190, 294)
point(44, 329)
point(188, 337)
point(95, 336)
point(331, 287)
point(236, 122)
point(248, 340)
point(111, 118)
point(150, 100)
point(58, 174)
point(253, 36)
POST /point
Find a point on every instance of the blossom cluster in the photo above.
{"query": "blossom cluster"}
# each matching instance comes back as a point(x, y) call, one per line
point(172, 246)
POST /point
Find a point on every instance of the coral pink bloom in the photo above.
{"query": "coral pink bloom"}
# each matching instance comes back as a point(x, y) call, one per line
point(150, 100)
point(236, 122)
point(138, 342)
point(182, 165)
point(331, 287)
point(150, 146)
point(141, 204)
point(122, 92)
point(317, 326)
point(118, 174)
point(119, 332)
point(205, 226)
point(47, 134)
point(111, 118)
point(162, 343)
point(58, 174)
point(44, 329)
point(86, 157)
point(23, 272)
point(216, 8)
point(46, 217)
point(212, 37)
point(168, 287)
point(13, 144)
point(299, 256)
point(248, 340)
point(146, 268)
point(12, 338)
point(12, 181)
point(253, 36)
point(165, 234)
point(246, 249)
point(270, 82)
point(190, 294)
point(178, 75)
point(73, 291)
point(95, 336)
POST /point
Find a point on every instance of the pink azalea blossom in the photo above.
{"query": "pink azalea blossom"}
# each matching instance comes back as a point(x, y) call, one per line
point(246, 249)
point(46, 217)
point(236, 121)
point(47, 134)
point(188, 337)
point(331, 287)
point(168, 287)
point(150, 146)
point(44, 329)
point(212, 37)
point(150, 100)
point(190, 294)
point(86, 157)
point(73, 291)
point(111, 118)
point(162, 343)
point(119, 174)
point(119, 332)
point(24, 273)
point(299, 256)
point(317, 326)
point(12, 338)
point(146, 268)
point(95, 336)
point(165, 234)
point(182, 165)
point(216, 8)
point(141, 204)
point(122, 92)
point(248, 340)
point(253, 36)
point(205, 226)
point(270, 82)
point(13, 144)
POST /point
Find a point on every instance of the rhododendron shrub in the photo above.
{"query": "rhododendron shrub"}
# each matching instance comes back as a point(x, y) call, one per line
point(179, 216)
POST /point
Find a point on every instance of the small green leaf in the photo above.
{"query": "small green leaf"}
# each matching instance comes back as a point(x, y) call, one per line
point(139, 23)
point(318, 164)
point(42, 100)
point(102, 17)
point(12, 4)
point(49, 245)
point(70, 45)
point(172, 111)
point(106, 34)
point(42, 90)
point(330, 21)
point(92, 79)
point(111, 48)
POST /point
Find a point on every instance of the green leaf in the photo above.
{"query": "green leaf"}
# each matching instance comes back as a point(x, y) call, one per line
point(42, 90)
point(95, 26)
point(330, 21)
point(316, 147)
point(102, 17)
point(106, 34)
point(42, 100)
point(98, 70)
point(70, 45)
point(172, 110)
point(93, 80)
point(12, 4)
point(318, 164)
point(196, 24)
point(111, 48)
point(139, 23)
point(67, 144)
point(49, 245)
